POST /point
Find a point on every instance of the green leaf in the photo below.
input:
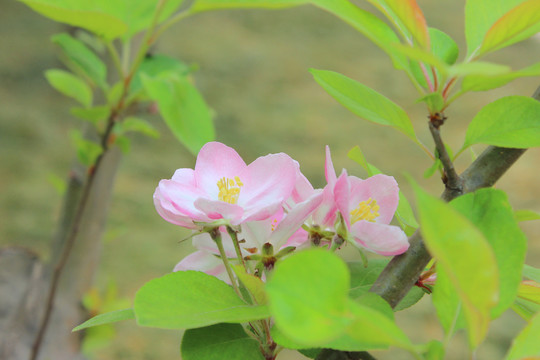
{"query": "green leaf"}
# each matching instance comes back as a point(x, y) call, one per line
point(526, 344)
point(406, 17)
point(364, 102)
point(191, 299)
point(80, 14)
point(155, 66)
point(183, 109)
point(480, 15)
point(87, 151)
point(362, 277)
point(434, 101)
point(138, 14)
point(434, 350)
point(443, 52)
point(525, 309)
point(531, 273)
point(463, 253)
point(447, 304)
point(516, 25)
point(308, 296)
point(369, 25)
point(218, 342)
point(443, 46)
point(93, 114)
point(70, 85)
point(372, 329)
point(482, 68)
point(114, 93)
point(512, 121)
point(107, 318)
point(526, 215)
point(254, 284)
point(81, 59)
point(487, 82)
point(490, 211)
point(437, 164)
point(132, 123)
point(110, 19)
point(206, 5)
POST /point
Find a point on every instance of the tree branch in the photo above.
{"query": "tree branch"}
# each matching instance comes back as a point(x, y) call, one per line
point(402, 272)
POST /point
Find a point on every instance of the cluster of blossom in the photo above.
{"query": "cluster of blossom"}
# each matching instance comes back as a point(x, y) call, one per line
point(274, 209)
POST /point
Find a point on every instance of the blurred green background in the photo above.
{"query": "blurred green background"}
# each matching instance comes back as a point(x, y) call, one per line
point(254, 74)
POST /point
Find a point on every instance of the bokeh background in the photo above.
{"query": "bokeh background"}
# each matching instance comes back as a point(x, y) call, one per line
point(254, 74)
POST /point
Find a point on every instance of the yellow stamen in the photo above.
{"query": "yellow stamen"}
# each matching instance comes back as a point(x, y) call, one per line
point(274, 224)
point(229, 189)
point(366, 210)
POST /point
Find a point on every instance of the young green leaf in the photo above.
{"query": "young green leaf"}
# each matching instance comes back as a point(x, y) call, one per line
point(218, 342)
point(183, 109)
point(407, 18)
point(254, 284)
point(480, 15)
point(308, 296)
point(206, 5)
point(83, 60)
point(87, 151)
point(531, 273)
point(443, 46)
point(138, 15)
point(83, 15)
point(516, 25)
point(362, 277)
point(488, 82)
point(490, 211)
point(132, 123)
point(107, 318)
point(526, 344)
point(447, 304)
point(70, 85)
point(482, 68)
point(372, 329)
point(94, 114)
point(154, 66)
point(364, 102)
point(512, 121)
point(191, 299)
point(526, 215)
point(466, 257)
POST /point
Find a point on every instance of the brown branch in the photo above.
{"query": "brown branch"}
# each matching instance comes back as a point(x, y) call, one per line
point(71, 238)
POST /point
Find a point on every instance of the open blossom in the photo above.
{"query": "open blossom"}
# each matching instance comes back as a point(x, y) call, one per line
point(222, 186)
point(280, 230)
point(367, 207)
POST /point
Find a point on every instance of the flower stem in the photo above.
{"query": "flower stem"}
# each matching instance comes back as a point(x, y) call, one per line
point(216, 236)
point(234, 236)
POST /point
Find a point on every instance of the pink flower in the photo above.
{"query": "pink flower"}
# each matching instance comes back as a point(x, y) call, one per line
point(280, 230)
point(367, 207)
point(222, 186)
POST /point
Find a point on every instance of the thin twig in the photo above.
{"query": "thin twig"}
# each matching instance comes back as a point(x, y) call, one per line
point(451, 179)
